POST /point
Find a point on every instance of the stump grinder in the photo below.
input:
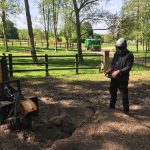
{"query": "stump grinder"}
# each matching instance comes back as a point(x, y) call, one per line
point(17, 110)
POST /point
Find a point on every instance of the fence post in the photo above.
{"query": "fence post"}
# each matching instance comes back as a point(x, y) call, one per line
point(101, 64)
point(10, 65)
point(76, 63)
point(46, 65)
point(106, 61)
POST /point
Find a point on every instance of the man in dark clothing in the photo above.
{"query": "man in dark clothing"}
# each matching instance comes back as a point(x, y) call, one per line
point(119, 73)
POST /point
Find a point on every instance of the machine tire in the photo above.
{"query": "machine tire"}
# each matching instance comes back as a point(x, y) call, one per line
point(26, 122)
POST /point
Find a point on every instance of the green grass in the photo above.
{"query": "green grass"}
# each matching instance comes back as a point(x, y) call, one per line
point(55, 62)
point(60, 62)
point(105, 45)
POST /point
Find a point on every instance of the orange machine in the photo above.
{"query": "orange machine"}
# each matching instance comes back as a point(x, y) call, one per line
point(15, 108)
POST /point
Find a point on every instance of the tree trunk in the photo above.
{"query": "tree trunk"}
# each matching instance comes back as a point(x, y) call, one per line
point(46, 25)
point(137, 45)
point(47, 40)
point(143, 43)
point(30, 31)
point(47, 35)
point(67, 44)
point(70, 39)
point(146, 46)
point(55, 35)
point(79, 40)
point(55, 24)
point(78, 31)
point(5, 30)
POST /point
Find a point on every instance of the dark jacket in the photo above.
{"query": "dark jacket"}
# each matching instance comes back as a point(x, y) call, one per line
point(122, 62)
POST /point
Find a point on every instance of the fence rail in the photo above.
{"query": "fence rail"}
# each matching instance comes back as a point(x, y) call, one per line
point(143, 61)
point(49, 63)
point(39, 43)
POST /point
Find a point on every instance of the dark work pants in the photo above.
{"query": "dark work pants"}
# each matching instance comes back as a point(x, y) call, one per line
point(116, 84)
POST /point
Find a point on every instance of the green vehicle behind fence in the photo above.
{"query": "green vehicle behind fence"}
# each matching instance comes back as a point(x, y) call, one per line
point(93, 44)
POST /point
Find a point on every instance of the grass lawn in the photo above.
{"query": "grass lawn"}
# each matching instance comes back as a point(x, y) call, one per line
point(55, 62)
point(58, 62)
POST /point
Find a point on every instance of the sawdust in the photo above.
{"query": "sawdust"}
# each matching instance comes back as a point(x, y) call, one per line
point(74, 115)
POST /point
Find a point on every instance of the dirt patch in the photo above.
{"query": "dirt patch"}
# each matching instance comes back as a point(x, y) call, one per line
point(74, 115)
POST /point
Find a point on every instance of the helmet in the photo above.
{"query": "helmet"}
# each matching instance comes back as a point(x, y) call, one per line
point(121, 44)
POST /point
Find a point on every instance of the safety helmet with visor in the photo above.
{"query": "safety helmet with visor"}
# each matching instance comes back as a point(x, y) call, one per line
point(121, 44)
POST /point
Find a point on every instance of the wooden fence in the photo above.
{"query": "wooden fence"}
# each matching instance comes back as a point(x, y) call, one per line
point(38, 43)
point(47, 63)
point(143, 60)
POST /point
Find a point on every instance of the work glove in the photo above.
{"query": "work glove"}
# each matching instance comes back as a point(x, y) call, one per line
point(115, 74)
point(108, 73)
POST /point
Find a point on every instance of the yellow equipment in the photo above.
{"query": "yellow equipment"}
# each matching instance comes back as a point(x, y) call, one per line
point(15, 109)
point(28, 106)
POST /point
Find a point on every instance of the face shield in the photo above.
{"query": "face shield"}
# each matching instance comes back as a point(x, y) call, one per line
point(121, 50)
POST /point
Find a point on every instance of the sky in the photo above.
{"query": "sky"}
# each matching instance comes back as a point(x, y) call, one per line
point(20, 19)
point(113, 6)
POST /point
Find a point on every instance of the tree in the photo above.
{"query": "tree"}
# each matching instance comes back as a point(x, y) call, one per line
point(23, 34)
point(38, 34)
point(50, 12)
point(131, 9)
point(127, 27)
point(108, 38)
point(87, 30)
point(55, 13)
point(1, 31)
point(113, 23)
point(3, 17)
point(7, 7)
point(69, 24)
point(68, 32)
point(30, 31)
point(137, 11)
point(85, 10)
point(45, 11)
point(12, 32)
